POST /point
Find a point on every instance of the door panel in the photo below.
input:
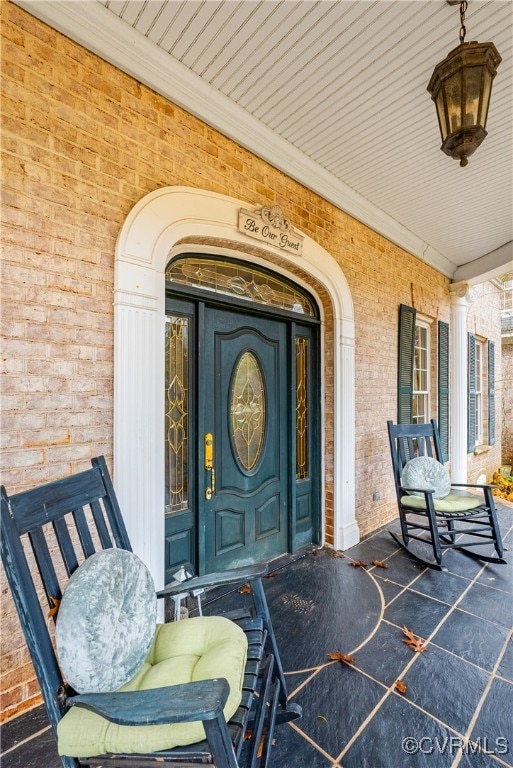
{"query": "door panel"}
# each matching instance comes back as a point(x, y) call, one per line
point(243, 403)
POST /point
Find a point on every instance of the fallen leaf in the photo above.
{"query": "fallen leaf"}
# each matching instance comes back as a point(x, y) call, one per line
point(400, 687)
point(270, 575)
point(414, 642)
point(358, 564)
point(55, 606)
point(379, 564)
point(245, 590)
point(315, 552)
point(336, 553)
point(249, 735)
point(342, 657)
point(261, 745)
point(321, 717)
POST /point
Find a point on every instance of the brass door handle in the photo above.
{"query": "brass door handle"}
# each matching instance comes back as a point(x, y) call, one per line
point(209, 465)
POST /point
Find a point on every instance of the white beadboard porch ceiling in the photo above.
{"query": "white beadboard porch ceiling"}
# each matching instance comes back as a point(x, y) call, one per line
point(333, 92)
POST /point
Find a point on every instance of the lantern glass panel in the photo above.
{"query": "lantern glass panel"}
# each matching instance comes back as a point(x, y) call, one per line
point(485, 98)
point(440, 108)
point(472, 85)
point(452, 88)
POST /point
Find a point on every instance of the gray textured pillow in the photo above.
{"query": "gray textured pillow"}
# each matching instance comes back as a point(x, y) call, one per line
point(425, 472)
point(106, 621)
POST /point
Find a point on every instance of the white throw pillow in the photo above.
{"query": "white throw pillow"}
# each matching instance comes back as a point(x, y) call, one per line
point(106, 621)
point(426, 473)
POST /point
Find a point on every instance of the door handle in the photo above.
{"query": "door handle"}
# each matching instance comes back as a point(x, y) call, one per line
point(209, 465)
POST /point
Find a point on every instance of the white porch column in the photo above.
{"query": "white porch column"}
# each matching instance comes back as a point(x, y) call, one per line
point(139, 410)
point(458, 381)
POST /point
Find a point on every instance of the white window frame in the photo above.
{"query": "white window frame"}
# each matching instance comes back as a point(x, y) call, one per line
point(480, 349)
point(420, 415)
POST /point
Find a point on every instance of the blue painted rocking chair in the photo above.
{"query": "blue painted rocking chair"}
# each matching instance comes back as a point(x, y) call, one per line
point(64, 523)
point(461, 521)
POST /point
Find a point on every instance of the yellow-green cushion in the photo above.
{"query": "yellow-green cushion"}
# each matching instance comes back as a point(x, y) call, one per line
point(193, 649)
point(451, 504)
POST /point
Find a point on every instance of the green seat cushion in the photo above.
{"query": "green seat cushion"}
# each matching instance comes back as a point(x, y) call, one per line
point(452, 504)
point(195, 649)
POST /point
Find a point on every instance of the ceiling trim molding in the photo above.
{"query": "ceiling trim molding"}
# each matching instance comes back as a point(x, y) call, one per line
point(487, 267)
point(90, 24)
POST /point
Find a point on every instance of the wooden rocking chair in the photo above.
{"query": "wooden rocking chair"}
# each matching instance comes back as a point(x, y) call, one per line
point(61, 525)
point(457, 521)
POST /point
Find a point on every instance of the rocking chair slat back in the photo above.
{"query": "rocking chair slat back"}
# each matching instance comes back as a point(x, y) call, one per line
point(68, 553)
point(45, 564)
point(84, 533)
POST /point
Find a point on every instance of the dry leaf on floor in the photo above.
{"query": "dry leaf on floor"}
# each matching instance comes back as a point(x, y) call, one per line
point(270, 575)
point(245, 590)
point(336, 553)
point(414, 642)
point(379, 564)
point(321, 717)
point(342, 657)
point(400, 687)
point(358, 564)
point(315, 552)
point(55, 607)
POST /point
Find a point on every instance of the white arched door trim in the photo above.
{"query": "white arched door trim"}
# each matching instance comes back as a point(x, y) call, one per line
point(149, 237)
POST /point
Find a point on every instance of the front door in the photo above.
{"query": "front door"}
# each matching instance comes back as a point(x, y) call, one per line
point(242, 437)
point(244, 419)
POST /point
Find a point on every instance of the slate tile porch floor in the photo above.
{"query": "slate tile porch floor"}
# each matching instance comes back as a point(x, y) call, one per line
point(459, 692)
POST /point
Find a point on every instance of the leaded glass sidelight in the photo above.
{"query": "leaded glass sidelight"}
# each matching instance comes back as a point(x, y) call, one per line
point(248, 411)
point(241, 280)
point(177, 413)
point(302, 468)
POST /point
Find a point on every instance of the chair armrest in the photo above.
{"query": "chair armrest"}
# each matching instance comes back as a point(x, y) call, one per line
point(470, 485)
point(215, 579)
point(203, 700)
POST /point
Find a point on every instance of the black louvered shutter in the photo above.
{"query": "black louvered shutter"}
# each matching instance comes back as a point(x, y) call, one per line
point(491, 393)
point(471, 393)
point(443, 387)
point(407, 317)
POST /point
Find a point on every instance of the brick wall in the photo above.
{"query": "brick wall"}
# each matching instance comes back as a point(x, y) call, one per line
point(82, 143)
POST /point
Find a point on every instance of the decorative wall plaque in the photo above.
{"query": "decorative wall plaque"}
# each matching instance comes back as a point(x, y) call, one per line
point(269, 225)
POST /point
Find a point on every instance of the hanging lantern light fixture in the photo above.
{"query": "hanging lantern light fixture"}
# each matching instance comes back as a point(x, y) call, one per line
point(460, 86)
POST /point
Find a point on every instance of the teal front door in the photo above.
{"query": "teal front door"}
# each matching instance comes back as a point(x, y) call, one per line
point(244, 419)
point(242, 416)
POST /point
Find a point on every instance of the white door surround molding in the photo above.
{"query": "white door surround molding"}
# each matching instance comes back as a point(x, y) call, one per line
point(175, 220)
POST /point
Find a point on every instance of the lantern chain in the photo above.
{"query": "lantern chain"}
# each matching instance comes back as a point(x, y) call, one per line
point(463, 10)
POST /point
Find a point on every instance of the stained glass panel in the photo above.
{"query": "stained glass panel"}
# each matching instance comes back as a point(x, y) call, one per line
point(248, 411)
point(234, 279)
point(177, 413)
point(302, 468)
